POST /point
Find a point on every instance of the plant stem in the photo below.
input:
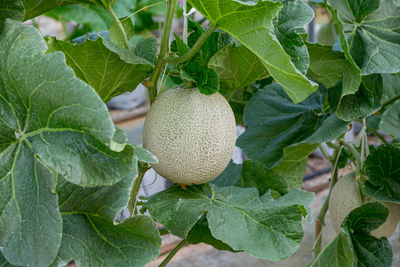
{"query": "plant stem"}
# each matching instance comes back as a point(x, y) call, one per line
point(320, 221)
point(376, 133)
point(164, 47)
point(325, 152)
point(332, 145)
point(120, 27)
point(172, 253)
point(194, 49)
point(135, 188)
point(353, 151)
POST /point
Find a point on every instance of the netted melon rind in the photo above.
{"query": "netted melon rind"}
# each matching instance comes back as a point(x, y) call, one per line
point(192, 135)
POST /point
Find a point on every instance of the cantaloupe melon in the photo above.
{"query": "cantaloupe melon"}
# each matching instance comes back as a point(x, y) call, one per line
point(192, 135)
point(346, 196)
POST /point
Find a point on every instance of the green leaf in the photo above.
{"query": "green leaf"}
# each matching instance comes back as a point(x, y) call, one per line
point(51, 106)
point(251, 25)
point(35, 8)
point(29, 213)
point(326, 65)
point(368, 250)
point(115, 32)
point(237, 67)
point(364, 102)
point(293, 165)
point(81, 159)
point(201, 233)
point(291, 20)
point(90, 236)
point(110, 70)
point(233, 213)
point(273, 123)
point(327, 34)
point(383, 169)
point(95, 16)
point(251, 174)
point(4, 262)
point(391, 86)
point(93, 240)
point(371, 30)
point(143, 155)
point(11, 9)
point(105, 201)
point(147, 49)
point(196, 69)
point(390, 120)
point(351, 74)
point(338, 253)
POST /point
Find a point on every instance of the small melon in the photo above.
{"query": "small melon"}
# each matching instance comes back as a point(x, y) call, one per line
point(192, 135)
point(346, 196)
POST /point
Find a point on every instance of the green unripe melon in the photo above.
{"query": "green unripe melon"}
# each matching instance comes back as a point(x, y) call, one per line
point(346, 196)
point(389, 227)
point(192, 135)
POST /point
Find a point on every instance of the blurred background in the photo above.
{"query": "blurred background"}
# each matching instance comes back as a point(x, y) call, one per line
point(129, 110)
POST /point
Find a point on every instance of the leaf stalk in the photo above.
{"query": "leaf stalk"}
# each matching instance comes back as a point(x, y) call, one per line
point(135, 188)
point(172, 253)
point(194, 49)
point(121, 29)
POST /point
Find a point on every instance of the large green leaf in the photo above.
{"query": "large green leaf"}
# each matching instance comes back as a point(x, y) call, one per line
point(90, 236)
point(390, 120)
point(48, 115)
point(326, 65)
point(351, 74)
point(105, 201)
point(93, 15)
point(383, 170)
point(293, 165)
point(93, 240)
point(4, 262)
point(371, 30)
point(273, 123)
point(96, 16)
point(111, 71)
point(291, 20)
point(364, 102)
point(251, 25)
point(251, 174)
point(391, 86)
point(29, 213)
point(236, 216)
point(35, 8)
point(237, 67)
point(368, 250)
point(200, 233)
point(337, 253)
point(11, 9)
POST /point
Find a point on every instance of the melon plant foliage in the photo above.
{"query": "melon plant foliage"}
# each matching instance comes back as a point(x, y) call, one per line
point(67, 171)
